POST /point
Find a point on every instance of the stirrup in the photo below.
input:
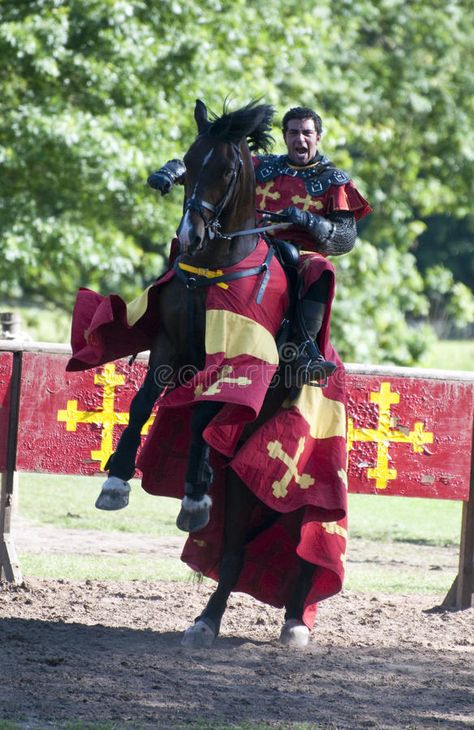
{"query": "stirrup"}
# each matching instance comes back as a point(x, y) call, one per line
point(309, 366)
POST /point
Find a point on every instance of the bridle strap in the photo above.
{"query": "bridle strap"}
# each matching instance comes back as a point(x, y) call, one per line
point(212, 226)
point(194, 279)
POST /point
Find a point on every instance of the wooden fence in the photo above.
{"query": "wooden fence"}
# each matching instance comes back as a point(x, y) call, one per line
point(410, 433)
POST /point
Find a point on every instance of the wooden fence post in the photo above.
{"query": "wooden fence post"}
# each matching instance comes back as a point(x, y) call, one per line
point(460, 595)
point(9, 565)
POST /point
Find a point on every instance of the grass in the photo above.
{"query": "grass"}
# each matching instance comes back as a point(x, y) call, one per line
point(68, 502)
point(403, 538)
point(450, 355)
point(419, 521)
point(104, 567)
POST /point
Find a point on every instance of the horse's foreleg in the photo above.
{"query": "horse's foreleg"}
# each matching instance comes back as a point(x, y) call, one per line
point(121, 465)
point(196, 504)
point(239, 504)
point(294, 632)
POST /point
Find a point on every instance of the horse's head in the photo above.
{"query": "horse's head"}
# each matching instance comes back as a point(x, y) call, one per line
point(220, 182)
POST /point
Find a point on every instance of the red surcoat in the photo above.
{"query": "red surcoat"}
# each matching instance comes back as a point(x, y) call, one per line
point(335, 192)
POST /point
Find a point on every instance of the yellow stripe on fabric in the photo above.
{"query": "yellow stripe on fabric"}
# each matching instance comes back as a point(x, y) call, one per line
point(207, 273)
point(234, 335)
point(137, 307)
point(326, 417)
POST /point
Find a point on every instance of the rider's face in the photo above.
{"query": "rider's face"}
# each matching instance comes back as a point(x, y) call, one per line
point(301, 140)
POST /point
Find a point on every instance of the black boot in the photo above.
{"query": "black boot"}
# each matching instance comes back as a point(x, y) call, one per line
point(309, 367)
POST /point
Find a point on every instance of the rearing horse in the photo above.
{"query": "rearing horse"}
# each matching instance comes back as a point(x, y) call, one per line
point(219, 246)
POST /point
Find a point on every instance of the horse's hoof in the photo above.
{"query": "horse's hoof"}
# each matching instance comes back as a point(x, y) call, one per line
point(200, 635)
point(114, 494)
point(194, 515)
point(294, 634)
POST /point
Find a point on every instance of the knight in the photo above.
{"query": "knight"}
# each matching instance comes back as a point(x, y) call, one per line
point(303, 188)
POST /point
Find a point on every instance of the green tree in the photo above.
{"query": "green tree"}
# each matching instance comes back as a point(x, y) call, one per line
point(98, 93)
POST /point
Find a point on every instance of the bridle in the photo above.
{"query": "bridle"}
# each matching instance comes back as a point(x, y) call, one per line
point(212, 225)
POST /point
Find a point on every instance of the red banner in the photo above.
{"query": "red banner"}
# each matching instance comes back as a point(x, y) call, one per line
point(407, 436)
point(70, 422)
point(6, 365)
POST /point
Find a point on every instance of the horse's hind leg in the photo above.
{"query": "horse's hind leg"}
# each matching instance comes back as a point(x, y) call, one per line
point(121, 465)
point(295, 633)
point(196, 504)
point(239, 504)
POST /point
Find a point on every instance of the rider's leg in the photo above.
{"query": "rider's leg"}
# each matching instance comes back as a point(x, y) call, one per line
point(121, 465)
point(309, 364)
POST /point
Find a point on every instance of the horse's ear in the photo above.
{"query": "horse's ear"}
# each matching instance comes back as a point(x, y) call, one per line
point(200, 115)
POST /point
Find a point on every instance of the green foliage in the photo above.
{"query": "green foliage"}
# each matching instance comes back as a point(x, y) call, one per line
point(450, 300)
point(98, 93)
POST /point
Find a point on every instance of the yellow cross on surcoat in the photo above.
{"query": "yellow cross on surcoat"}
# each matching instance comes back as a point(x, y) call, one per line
point(308, 202)
point(266, 192)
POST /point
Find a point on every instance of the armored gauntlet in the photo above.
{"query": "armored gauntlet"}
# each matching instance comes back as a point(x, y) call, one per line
point(167, 176)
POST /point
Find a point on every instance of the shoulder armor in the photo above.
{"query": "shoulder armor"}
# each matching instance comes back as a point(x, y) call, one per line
point(327, 177)
point(317, 178)
point(270, 167)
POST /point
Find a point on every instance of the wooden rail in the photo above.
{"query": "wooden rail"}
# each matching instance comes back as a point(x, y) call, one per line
point(410, 433)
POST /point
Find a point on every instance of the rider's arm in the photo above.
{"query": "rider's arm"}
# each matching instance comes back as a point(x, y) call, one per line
point(333, 236)
point(342, 237)
point(172, 173)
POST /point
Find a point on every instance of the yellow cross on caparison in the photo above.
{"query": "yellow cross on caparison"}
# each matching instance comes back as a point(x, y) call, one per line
point(383, 436)
point(304, 481)
point(224, 377)
point(107, 418)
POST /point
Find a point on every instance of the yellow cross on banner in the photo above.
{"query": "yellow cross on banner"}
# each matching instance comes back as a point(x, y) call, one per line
point(107, 418)
point(383, 436)
point(275, 451)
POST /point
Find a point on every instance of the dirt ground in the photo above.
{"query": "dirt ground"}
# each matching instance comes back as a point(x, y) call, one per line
point(110, 652)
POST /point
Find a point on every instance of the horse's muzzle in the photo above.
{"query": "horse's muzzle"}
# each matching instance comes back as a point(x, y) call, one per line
point(191, 233)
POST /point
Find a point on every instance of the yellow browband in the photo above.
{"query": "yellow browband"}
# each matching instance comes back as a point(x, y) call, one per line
point(208, 273)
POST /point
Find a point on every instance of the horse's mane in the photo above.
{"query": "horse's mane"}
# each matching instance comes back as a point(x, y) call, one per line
point(253, 121)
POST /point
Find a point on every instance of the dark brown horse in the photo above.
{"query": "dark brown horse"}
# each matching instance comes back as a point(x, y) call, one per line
point(216, 232)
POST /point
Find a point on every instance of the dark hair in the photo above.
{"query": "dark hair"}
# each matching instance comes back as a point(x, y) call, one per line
point(302, 112)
